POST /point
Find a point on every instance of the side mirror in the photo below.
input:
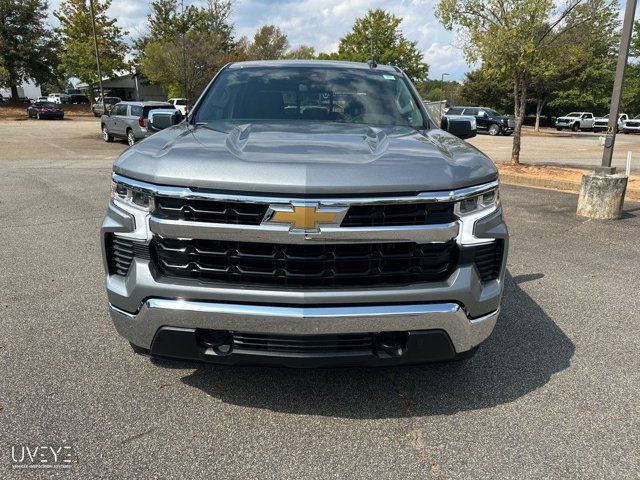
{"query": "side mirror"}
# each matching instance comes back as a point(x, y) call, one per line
point(461, 127)
point(162, 118)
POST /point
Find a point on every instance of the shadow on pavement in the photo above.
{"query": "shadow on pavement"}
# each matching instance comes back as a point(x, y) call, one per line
point(524, 351)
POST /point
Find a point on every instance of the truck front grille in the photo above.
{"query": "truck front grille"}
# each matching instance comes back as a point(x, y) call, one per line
point(246, 213)
point(304, 265)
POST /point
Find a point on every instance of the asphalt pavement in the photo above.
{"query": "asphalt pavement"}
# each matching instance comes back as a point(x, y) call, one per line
point(553, 393)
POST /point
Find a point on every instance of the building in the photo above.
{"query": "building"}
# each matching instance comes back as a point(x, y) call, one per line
point(129, 87)
point(26, 89)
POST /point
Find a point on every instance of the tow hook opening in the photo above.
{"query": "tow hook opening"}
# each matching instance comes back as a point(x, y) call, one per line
point(216, 342)
point(390, 343)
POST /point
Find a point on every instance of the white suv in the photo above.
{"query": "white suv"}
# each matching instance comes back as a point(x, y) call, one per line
point(576, 121)
point(58, 98)
point(180, 104)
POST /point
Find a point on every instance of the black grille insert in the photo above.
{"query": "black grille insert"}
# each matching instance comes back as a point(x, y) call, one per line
point(488, 259)
point(303, 344)
point(399, 214)
point(120, 253)
point(304, 265)
point(210, 211)
point(242, 213)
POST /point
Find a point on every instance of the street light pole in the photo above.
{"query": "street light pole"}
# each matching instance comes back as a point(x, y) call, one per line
point(442, 91)
point(95, 46)
point(184, 57)
point(616, 96)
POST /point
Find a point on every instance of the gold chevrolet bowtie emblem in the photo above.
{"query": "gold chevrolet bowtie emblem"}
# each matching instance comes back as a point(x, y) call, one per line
point(304, 217)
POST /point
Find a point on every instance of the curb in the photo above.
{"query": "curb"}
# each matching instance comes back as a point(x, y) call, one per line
point(550, 184)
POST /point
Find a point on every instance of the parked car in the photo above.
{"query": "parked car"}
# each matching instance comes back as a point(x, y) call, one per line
point(310, 215)
point(631, 125)
point(78, 98)
point(128, 120)
point(602, 123)
point(576, 121)
point(487, 119)
point(42, 110)
point(109, 102)
point(58, 98)
point(180, 104)
point(41, 99)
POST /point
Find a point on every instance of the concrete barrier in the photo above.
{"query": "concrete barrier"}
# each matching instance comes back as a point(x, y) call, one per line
point(602, 196)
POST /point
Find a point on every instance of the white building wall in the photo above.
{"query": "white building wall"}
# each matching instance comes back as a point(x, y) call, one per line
point(27, 89)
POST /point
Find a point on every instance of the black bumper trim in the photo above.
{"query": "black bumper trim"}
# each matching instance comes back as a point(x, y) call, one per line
point(420, 346)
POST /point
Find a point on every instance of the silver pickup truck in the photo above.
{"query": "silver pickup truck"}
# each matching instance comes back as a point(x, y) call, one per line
point(305, 213)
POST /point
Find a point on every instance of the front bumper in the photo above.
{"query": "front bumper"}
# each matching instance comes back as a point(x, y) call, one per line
point(166, 316)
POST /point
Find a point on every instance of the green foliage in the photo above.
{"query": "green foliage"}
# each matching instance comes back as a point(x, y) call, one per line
point(303, 52)
point(484, 88)
point(269, 43)
point(78, 56)
point(531, 42)
point(27, 46)
point(183, 50)
point(381, 30)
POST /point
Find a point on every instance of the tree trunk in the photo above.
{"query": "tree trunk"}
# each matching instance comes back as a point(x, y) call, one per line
point(520, 104)
point(540, 105)
point(13, 83)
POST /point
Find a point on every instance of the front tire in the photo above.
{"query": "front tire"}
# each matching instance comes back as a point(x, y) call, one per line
point(106, 136)
point(575, 127)
point(559, 129)
point(131, 138)
point(494, 130)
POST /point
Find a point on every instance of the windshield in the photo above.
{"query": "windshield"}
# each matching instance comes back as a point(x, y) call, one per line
point(573, 114)
point(492, 113)
point(308, 93)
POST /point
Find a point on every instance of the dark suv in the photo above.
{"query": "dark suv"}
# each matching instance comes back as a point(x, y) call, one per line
point(487, 119)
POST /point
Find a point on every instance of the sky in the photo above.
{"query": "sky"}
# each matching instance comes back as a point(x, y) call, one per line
point(321, 23)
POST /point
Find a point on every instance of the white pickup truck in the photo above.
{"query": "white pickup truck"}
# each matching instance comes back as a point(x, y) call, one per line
point(576, 121)
point(602, 123)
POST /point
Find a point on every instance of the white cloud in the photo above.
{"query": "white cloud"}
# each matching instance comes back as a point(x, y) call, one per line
point(321, 23)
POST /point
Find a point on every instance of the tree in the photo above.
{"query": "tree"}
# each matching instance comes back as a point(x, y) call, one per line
point(163, 63)
point(269, 43)
point(518, 39)
point(78, 56)
point(380, 30)
point(303, 52)
point(183, 50)
point(27, 46)
point(487, 89)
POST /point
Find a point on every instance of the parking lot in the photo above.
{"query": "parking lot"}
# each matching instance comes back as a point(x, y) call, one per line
point(552, 394)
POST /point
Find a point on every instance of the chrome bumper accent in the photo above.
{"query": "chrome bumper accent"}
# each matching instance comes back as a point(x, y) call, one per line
point(140, 328)
point(282, 234)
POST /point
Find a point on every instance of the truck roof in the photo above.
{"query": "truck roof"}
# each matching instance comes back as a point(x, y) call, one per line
point(311, 63)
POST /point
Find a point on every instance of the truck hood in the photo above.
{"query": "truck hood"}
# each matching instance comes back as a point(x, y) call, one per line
point(306, 158)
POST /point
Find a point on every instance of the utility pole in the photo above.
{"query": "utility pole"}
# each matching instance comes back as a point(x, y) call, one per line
point(442, 89)
point(616, 96)
point(95, 46)
point(184, 56)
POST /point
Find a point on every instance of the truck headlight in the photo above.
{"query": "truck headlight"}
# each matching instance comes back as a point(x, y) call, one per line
point(478, 202)
point(123, 194)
